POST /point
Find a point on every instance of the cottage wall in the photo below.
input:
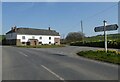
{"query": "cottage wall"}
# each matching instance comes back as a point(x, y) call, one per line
point(45, 38)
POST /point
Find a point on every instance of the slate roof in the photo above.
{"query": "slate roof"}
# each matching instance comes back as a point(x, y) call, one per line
point(33, 31)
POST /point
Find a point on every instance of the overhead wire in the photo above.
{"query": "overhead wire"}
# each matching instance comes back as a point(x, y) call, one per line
point(103, 11)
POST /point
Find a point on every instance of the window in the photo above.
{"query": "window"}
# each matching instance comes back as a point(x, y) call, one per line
point(23, 37)
point(33, 37)
point(40, 42)
point(23, 42)
point(49, 38)
point(40, 37)
point(49, 42)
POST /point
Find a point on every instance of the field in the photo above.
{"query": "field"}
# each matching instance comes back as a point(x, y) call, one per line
point(110, 37)
point(1, 37)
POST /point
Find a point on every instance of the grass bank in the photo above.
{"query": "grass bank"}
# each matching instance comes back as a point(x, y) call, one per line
point(2, 37)
point(43, 46)
point(110, 56)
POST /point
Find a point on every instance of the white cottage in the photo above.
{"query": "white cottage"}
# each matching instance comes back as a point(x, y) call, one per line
point(31, 36)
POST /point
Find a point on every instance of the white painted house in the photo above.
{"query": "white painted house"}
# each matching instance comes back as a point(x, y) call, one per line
point(31, 36)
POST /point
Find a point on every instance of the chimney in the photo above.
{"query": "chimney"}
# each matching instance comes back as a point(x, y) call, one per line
point(49, 28)
point(14, 28)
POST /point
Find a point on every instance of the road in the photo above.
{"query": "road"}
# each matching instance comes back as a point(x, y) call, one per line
point(53, 64)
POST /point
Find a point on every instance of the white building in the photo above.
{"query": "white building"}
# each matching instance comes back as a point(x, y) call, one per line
point(31, 36)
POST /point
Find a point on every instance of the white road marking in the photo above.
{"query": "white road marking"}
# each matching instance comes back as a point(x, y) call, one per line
point(23, 54)
point(52, 72)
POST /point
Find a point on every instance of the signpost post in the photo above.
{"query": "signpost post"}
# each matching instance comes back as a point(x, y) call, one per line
point(105, 35)
point(106, 28)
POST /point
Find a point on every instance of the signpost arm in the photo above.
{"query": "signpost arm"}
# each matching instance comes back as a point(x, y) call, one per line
point(105, 36)
point(106, 28)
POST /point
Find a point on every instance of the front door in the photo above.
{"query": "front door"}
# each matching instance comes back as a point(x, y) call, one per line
point(35, 43)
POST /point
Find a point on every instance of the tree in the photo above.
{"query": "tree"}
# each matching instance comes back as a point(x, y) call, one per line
point(74, 36)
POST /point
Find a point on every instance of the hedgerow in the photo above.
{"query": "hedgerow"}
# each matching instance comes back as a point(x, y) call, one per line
point(111, 44)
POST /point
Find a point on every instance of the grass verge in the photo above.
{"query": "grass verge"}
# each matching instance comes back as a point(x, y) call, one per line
point(43, 46)
point(110, 56)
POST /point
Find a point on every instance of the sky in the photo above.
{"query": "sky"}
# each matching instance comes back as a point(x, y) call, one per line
point(64, 17)
point(59, 0)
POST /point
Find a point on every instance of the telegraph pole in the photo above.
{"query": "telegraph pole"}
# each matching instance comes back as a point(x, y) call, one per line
point(82, 31)
point(105, 35)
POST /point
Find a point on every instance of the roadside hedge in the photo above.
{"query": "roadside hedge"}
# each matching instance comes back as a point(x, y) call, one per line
point(111, 44)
